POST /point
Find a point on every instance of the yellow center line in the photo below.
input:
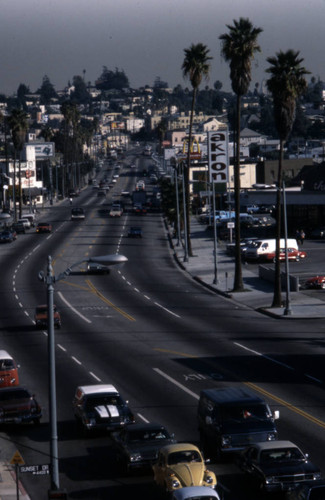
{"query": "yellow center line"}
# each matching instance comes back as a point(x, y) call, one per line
point(256, 388)
point(108, 302)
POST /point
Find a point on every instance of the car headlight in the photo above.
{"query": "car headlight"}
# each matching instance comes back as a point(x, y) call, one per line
point(209, 479)
point(135, 457)
point(175, 483)
point(225, 441)
point(270, 480)
point(271, 436)
point(317, 475)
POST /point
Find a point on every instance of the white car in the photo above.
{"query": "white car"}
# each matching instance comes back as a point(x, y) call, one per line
point(195, 493)
point(25, 222)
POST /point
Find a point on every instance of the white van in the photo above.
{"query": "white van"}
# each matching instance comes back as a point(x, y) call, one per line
point(260, 248)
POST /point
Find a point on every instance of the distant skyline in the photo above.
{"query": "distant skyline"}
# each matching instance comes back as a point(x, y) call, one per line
point(146, 38)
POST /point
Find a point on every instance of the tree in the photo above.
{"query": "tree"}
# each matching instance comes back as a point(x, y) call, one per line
point(112, 80)
point(21, 95)
point(80, 94)
point(238, 48)
point(286, 84)
point(18, 124)
point(195, 67)
point(46, 91)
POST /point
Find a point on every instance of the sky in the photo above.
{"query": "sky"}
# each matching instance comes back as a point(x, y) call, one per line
point(146, 38)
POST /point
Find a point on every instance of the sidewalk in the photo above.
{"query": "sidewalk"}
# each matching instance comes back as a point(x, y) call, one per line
point(8, 487)
point(258, 294)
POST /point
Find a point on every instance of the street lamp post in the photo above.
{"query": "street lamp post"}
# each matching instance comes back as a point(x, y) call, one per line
point(287, 310)
point(49, 279)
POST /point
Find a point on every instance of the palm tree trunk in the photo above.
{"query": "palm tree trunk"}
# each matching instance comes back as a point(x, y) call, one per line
point(238, 280)
point(277, 299)
point(19, 186)
point(187, 179)
point(14, 188)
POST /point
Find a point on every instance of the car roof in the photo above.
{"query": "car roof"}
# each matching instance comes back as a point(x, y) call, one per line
point(194, 491)
point(232, 395)
point(145, 426)
point(5, 354)
point(274, 445)
point(170, 448)
point(97, 388)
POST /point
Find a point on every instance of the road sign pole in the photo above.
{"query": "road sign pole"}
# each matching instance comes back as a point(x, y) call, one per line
point(17, 480)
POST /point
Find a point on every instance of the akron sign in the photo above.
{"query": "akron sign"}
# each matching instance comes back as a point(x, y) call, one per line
point(218, 156)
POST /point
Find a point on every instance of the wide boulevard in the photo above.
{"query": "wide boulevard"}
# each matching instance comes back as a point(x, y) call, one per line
point(159, 337)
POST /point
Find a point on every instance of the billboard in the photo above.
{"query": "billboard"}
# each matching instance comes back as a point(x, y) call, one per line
point(218, 156)
point(44, 150)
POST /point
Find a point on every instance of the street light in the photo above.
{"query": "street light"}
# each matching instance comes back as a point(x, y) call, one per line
point(49, 279)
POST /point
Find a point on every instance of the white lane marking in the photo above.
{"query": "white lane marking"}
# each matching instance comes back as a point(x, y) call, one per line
point(181, 386)
point(313, 378)
point(72, 308)
point(136, 290)
point(167, 310)
point(49, 236)
point(16, 296)
point(146, 297)
point(128, 282)
point(20, 304)
point(264, 356)
point(76, 360)
point(26, 313)
point(61, 347)
point(95, 376)
point(143, 418)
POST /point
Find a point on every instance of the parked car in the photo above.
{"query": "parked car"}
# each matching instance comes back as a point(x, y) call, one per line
point(40, 316)
point(195, 493)
point(311, 490)
point(179, 465)
point(293, 254)
point(44, 227)
point(318, 233)
point(77, 214)
point(8, 370)
point(8, 236)
point(277, 466)
point(135, 232)
point(315, 282)
point(137, 445)
point(231, 418)
point(18, 406)
point(101, 407)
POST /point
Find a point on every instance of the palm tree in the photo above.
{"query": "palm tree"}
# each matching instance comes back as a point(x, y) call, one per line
point(286, 84)
point(195, 67)
point(238, 48)
point(18, 124)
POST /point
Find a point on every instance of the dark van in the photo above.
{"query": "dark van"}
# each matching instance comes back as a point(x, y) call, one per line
point(232, 418)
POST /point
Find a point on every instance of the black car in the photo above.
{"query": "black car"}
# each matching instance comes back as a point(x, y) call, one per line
point(18, 227)
point(7, 236)
point(18, 405)
point(137, 446)
point(101, 407)
point(312, 490)
point(135, 232)
point(277, 466)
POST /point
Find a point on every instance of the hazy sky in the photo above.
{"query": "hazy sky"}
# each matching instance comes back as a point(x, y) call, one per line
point(145, 38)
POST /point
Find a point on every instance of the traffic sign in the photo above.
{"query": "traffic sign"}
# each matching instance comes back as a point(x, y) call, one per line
point(17, 459)
point(36, 470)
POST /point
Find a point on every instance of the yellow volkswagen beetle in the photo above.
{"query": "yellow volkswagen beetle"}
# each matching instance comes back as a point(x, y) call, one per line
point(179, 465)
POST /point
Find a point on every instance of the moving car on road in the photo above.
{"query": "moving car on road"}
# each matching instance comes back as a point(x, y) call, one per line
point(8, 236)
point(40, 316)
point(77, 214)
point(293, 254)
point(179, 465)
point(135, 232)
point(137, 445)
point(18, 406)
point(277, 466)
point(44, 227)
point(101, 407)
point(315, 282)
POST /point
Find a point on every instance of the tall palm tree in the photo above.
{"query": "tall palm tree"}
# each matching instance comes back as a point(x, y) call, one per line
point(286, 84)
point(238, 48)
point(18, 123)
point(195, 67)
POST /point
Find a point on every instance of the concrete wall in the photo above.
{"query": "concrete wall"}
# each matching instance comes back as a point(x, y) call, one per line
point(267, 274)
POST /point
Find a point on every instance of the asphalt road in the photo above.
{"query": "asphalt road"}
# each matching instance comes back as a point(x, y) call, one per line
point(155, 334)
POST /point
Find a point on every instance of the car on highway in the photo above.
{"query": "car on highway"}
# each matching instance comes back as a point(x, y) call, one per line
point(135, 232)
point(116, 210)
point(25, 222)
point(311, 490)
point(314, 282)
point(139, 209)
point(101, 193)
point(44, 227)
point(293, 254)
point(179, 465)
point(8, 236)
point(18, 406)
point(41, 316)
point(101, 407)
point(77, 214)
point(195, 493)
point(277, 466)
point(137, 445)
point(18, 227)
point(8, 370)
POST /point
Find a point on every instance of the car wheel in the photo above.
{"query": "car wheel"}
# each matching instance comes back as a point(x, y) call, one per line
point(297, 259)
point(322, 286)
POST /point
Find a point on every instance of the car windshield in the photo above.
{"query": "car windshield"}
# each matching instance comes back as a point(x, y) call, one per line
point(249, 412)
point(103, 400)
point(145, 435)
point(185, 456)
point(281, 455)
point(6, 364)
point(10, 395)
